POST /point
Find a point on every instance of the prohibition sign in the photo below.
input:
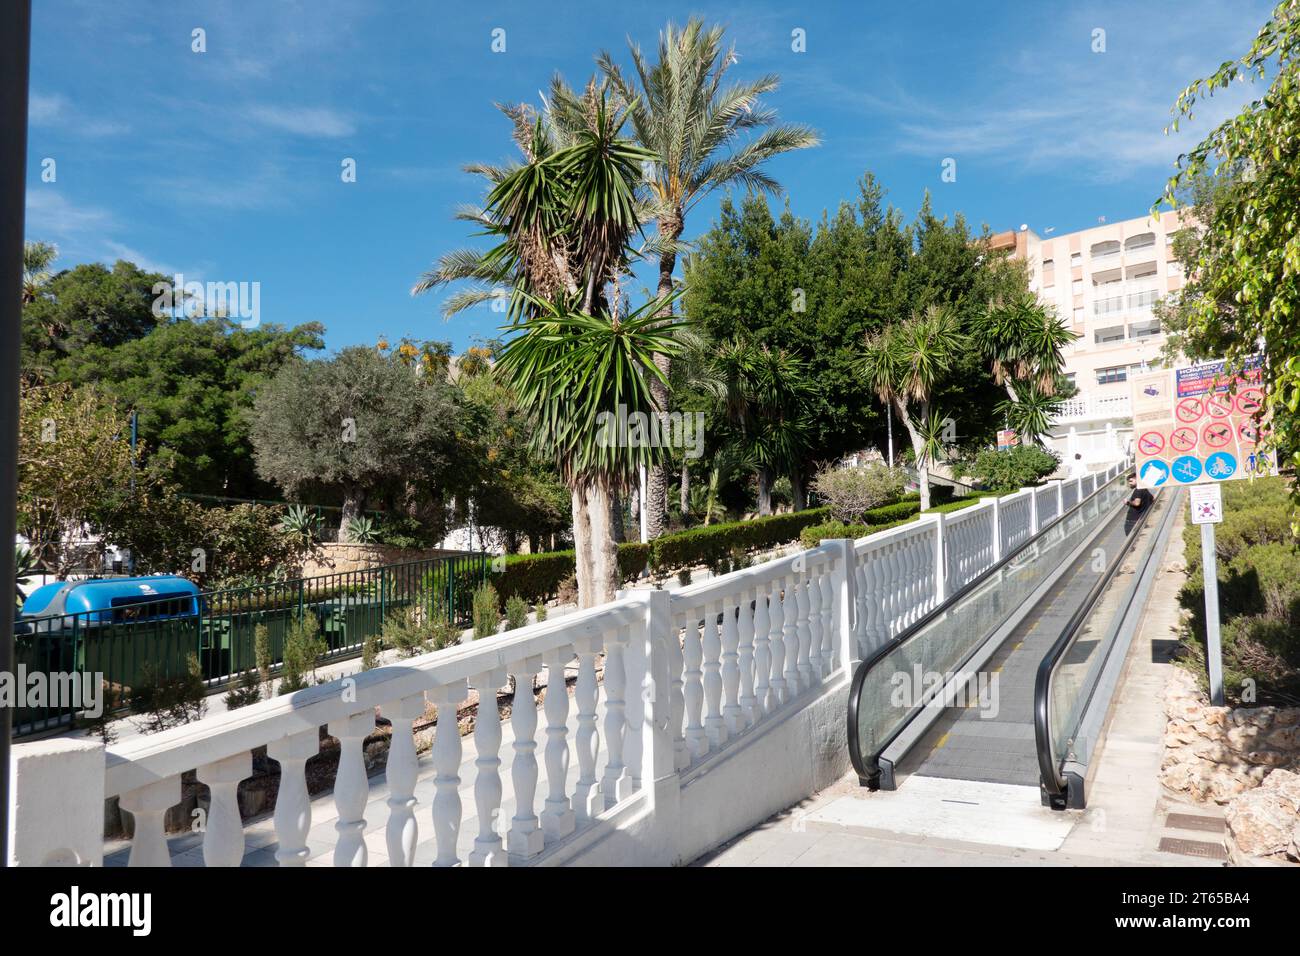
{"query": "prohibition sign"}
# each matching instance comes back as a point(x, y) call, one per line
point(1219, 406)
point(1250, 401)
point(1183, 439)
point(1152, 443)
point(1247, 433)
point(1217, 434)
point(1188, 410)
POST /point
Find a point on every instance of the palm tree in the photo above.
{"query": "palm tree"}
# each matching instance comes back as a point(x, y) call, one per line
point(1032, 413)
point(762, 394)
point(1023, 341)
point(574, 371)
point(696, 129)
point(565, 219)
point(904, 364)
point(37, 257)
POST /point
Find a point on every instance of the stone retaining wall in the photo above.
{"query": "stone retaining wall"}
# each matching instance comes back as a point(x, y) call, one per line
point(339, 558)
point(1246, 759)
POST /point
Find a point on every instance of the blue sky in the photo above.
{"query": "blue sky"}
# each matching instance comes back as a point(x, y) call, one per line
point(225, 165)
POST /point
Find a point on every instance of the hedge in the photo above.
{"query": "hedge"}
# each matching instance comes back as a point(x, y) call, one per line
point(894, 515)
point(713, 544)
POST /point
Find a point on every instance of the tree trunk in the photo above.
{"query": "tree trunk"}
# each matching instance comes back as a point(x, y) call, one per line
point(685, 494)
point(670, 227)
point(616, 517)
point(798, 489)
point(918, 450)
point(353, 502)
point(764, 491)
point(594, 549)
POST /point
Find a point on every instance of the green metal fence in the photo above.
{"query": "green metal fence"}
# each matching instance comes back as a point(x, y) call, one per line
point(127, 647)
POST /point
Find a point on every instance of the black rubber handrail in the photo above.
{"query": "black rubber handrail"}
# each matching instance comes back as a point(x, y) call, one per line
point(870, 774)
point(1053, 786)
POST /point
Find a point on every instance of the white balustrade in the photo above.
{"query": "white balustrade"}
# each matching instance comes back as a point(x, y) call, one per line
point(488, 850)
point(525, 838)
point(351, 787)
point(403, 831)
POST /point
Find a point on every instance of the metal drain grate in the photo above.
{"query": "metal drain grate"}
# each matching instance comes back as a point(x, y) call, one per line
point(1207, 851)
point(1190, 821)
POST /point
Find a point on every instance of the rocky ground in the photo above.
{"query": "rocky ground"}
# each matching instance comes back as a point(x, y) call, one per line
point(1246, 759)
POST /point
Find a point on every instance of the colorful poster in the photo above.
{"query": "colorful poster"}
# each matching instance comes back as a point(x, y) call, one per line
point(1198, 424)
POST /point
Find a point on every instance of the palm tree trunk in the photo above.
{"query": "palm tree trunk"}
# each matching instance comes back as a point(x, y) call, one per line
point(670, 227)
point(685, 493)
point(918, 450)
point(798, 489)
point(764, 491)
point(594, 548)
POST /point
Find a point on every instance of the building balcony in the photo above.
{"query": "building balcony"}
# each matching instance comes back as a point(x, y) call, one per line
point(1084, 408)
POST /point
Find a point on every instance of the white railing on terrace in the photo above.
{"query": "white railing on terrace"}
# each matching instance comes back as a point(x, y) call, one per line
point(1094, 408)
point(736, 655)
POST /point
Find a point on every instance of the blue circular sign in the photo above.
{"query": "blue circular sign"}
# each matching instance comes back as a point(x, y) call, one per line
point(1187, 469)
point(1221, 465)
point(1155, 472)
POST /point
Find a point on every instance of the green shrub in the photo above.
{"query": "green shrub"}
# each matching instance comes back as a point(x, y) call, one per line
point(516, 612)
point(849, 492)
point(539, 611)
point(486, 611)
point(247, 691)
point(370, 652)
point(1013, 469)
point(303, 648)
point(712, 545)
point(164, 701)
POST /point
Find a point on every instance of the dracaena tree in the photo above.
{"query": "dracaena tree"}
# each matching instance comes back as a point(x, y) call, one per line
point(1023, 341)
point(704, 133)
point(566, 217)
point(904, 364)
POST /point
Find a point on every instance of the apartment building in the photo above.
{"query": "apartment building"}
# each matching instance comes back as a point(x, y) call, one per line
point(1104, 282)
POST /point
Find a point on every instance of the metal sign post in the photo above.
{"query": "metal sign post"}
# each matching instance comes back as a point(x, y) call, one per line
point(1207, 511)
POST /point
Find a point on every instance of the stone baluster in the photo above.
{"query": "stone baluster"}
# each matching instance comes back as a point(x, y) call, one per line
point(732, 719)
point(488, 850)
point(558, 819)
point(586, 793)
point(712, 643)
point(402, 832)
point(779, 694)
point(803, 628)
point(446, 765)
point(223, 830)
point(762, 655)
point(351, 787)
point(697, 740)
point(745, 660)
point(148, 806)
point(525, 838)
point(830, 637)
point(615, 782)
point(292, 802)
point(677, 697)
point(790, 637)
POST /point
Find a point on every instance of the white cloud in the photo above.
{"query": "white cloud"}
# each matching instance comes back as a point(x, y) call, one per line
point(303, 121)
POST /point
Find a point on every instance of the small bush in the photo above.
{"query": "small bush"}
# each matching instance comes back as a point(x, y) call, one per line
point(165, 702)
point(303, 648)
point(370, 652)
point(247, 691)
point(486, 612)
point(539, 611)
point(516, 612)
point(849, 492)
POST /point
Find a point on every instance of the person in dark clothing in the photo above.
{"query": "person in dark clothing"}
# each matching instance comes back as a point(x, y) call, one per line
point(1139, 500)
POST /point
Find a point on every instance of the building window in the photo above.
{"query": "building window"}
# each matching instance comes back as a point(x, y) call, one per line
point(1105, 250)
point(1076, 258)
point(1048, 264)
point(1142, 330)
point(1078, 316)
point(1113, 333)
point(1077, 287)
point(1116, 373)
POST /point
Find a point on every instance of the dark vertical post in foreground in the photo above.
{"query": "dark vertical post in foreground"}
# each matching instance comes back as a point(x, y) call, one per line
point(15, 50)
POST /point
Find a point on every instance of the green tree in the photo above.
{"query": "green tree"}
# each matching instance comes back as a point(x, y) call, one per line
point(192, 383)
point(88, 304)
point(904, 365)
point(359, 424)
point(698, 129)
point(1249, 251)
point(37, 257)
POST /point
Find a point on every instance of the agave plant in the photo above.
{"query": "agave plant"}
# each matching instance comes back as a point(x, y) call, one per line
point(25, 565)
point(300, 522)
point(361, 530)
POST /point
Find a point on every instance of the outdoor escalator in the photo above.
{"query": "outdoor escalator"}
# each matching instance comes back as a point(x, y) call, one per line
point(994, 685)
